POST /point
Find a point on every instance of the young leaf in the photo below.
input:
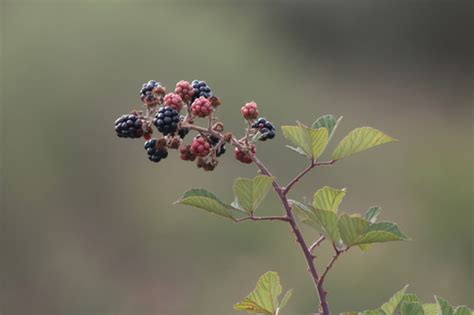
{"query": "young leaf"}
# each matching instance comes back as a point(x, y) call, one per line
point(264, 298)
point(411, 298)
point(372, 214)
point(462, 310)
point(430, 309)
point(205, 200)
point(329, 122)
point(411, 308)
point(444, 308)
point(324, 221)
point(392, 304)
point(328, 198)
point(250, 193)
point(351, 228)
point(296, 149)
point(285, 299)
point(379, 233)
point(311, 141)
point(360, 139)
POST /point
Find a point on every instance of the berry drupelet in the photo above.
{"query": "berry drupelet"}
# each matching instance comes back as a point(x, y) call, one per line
point(200, 147)
point(201, 107)
point(266, 128)
point(201, 89)
point(174, 101)
point(249, 111)
point(185, 90)
point(155, 154)
point(245, 157)
point(151, 92)
point(166, 120)
point(129, 126)
point(185, 153)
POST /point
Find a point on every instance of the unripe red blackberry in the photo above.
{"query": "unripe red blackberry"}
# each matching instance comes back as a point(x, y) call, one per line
point(201, 89)
point(174, 101)
point(186, 154)
point(249, 111)
point(200, 147)
point(214, 141)
point(166, 120)
point(152, 92)
point(155, 154)
point(266, 128)
point(185, 90)
point(245, 157)
point(129, 126)
point(201, 107)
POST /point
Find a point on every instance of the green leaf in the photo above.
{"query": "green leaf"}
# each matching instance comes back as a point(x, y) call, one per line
point(373, 312)
point(285, 299)
point(379, 233)
point(264, 298)
point(444, 308)
point(205, 200)
point(351, 228)
point(411, 308)
point(462, 310)
point(328, 198)
point(430, 309)
point(311, 141)
point(411, 298)
point(392, 304)
point(324, 221)
point(250, 193)
point(329, 122)
point(296, 149)
point(372, 214)
point(360, 139)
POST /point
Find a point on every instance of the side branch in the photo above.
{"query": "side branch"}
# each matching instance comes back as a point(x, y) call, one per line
point(317, 243)
point(269, 218)
point(308, 169)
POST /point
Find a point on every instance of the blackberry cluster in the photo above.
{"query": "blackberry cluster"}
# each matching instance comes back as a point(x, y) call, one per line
point(155, 154)
point(201, 89)
point(129, 126)
point(182, 132)
point(166, 120)
point(150, 90)
point(214, 141)
point(266, 128)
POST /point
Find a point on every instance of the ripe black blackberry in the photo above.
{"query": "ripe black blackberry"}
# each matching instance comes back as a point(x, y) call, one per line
point(214, 141)
point(129, 126)
point(266, 128)
point(155, 154)
point(166, 120)
point(182, 132)
point(201, 89)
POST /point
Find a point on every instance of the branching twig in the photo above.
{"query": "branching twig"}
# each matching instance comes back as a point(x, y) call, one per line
point(316, 243)
point(269, 218)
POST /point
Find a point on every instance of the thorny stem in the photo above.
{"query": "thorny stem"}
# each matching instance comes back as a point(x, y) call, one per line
point(337, 254)
point(282, 192)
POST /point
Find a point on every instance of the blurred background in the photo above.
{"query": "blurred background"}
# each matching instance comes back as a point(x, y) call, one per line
point(87, 222)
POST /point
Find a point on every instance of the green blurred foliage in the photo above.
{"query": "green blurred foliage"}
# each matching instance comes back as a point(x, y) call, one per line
point(88, 225)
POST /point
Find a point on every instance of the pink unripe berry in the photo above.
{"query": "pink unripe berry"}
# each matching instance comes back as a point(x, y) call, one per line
point(173, 100)
point(250, 111)
point(201, 107)
point(245, 157)
point(200, 147)
point(184, 89)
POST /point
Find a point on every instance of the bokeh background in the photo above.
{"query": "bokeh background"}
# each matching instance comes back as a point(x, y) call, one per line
point(87, 222)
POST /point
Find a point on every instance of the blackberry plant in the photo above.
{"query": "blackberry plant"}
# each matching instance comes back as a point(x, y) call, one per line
point(344, 232)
